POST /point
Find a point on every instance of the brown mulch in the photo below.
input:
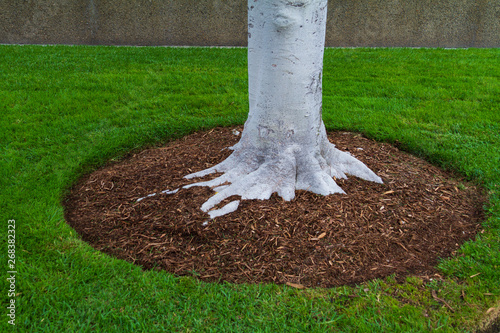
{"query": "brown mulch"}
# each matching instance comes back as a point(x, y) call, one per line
point(401, 227)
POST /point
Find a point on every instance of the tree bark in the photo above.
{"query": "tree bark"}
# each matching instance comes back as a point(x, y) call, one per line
point(284, 146)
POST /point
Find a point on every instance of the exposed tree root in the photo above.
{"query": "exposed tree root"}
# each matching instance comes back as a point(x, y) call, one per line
point(254, 174)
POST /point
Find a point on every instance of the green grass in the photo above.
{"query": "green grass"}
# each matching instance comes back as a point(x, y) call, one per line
point(66, 110)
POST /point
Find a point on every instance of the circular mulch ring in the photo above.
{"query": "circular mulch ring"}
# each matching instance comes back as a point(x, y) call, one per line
point(401, 227)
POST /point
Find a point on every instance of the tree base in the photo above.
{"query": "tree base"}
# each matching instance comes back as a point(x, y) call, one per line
point(257, 174)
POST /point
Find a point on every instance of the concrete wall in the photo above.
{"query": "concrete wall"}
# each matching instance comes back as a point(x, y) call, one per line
point(431, 23)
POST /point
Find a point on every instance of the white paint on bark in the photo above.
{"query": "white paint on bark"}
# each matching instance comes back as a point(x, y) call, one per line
point(284, 146)
point(162, 192)
point(170, 191)
point(147, 196)
point(229, 208)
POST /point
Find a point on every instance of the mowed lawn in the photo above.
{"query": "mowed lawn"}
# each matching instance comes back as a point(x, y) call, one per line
point(67, 110)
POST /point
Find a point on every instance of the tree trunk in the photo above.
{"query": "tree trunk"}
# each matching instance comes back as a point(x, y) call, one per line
point(284, 146)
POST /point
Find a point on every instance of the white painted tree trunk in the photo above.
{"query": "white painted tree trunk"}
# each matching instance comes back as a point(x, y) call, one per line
point(283, 146)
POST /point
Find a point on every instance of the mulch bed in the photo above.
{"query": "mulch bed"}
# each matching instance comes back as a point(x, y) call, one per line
point(401, 227)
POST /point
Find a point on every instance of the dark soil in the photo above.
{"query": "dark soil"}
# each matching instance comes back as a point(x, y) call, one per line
point(401, 227)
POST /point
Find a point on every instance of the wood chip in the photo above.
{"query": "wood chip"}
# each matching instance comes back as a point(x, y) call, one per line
point(319, 237)
point(295, 285)
point(433, 292)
